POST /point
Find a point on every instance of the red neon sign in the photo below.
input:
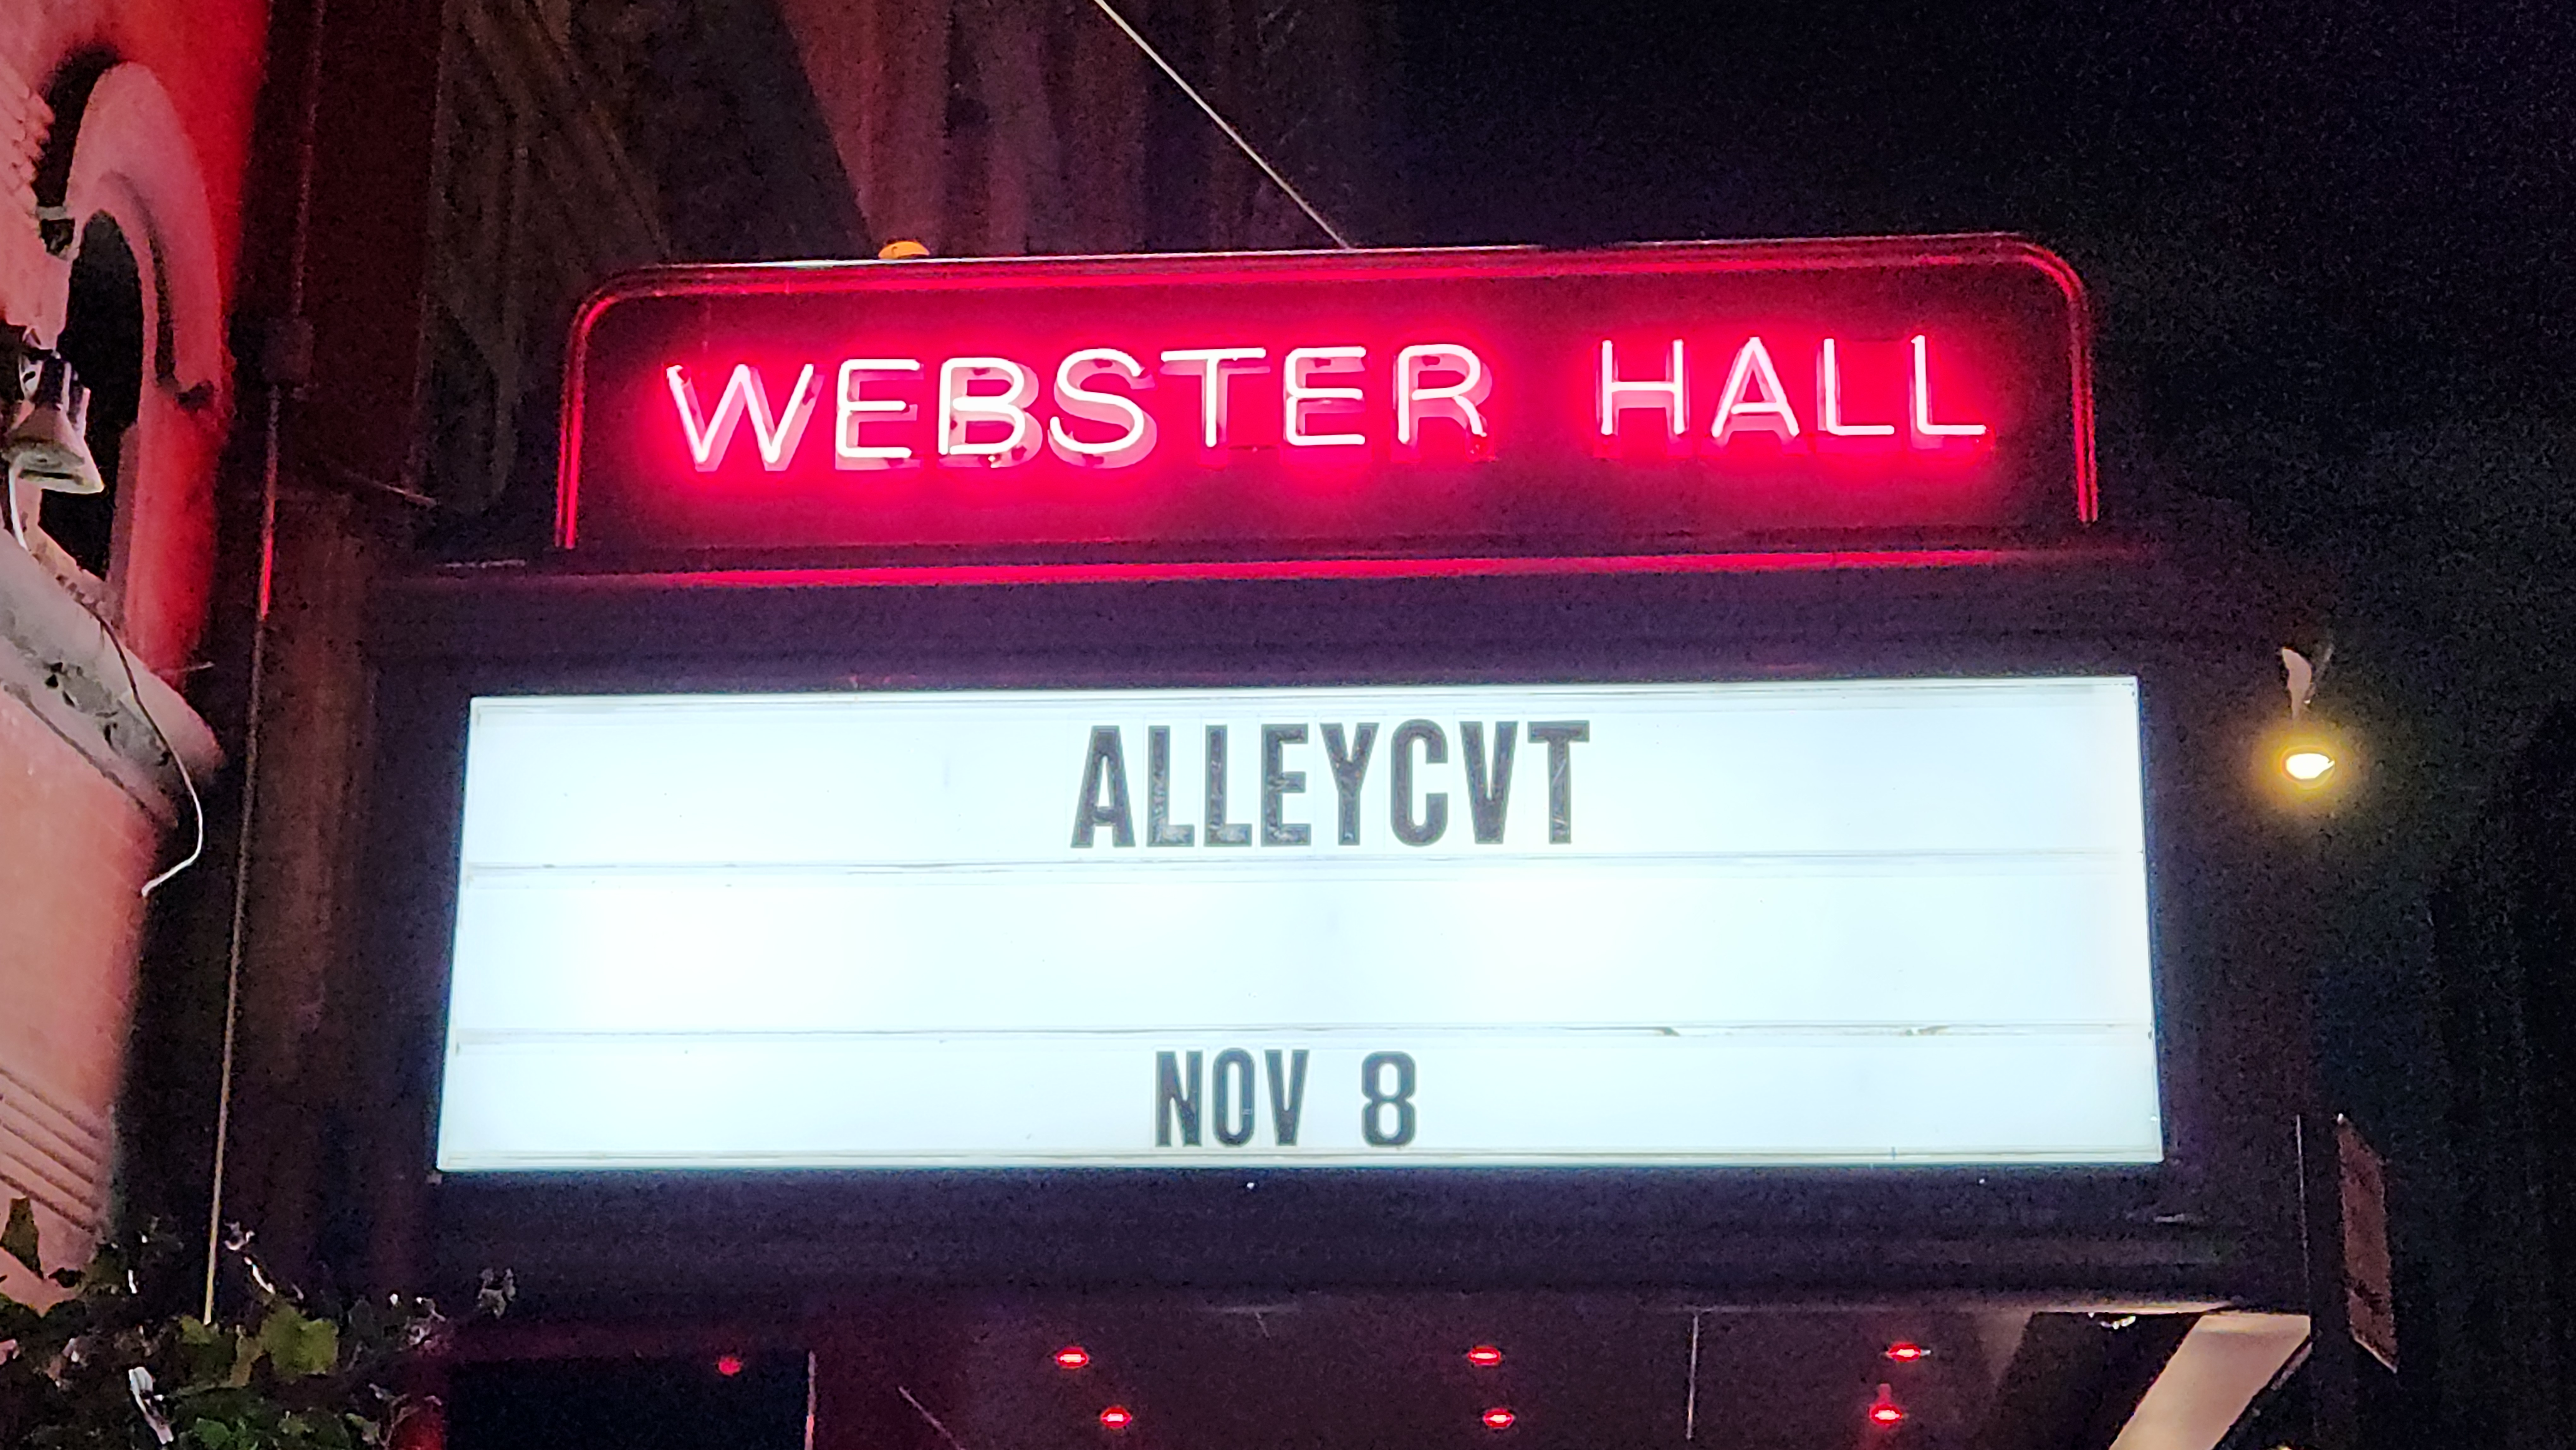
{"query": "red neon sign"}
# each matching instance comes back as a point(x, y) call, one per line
point(1637, 407)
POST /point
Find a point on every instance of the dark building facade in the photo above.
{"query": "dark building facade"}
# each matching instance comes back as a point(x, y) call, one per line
point(2504, 924)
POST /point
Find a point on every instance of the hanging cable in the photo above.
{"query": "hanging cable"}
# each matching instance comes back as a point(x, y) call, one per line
point(299, 242)
point(1231, 134)
point(187, 780)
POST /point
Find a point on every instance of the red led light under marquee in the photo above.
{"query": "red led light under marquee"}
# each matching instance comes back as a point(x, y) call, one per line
point(1498, 1418)
point(1485, 1356)
point(728, 1365)
point(1884, 1410)
point(1072, 1356)
point(1172, 413)
point(1907, 1352)
point(1116, 1417)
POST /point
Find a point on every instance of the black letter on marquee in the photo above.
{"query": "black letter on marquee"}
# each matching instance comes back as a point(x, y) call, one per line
point(1107, 761)
point(1278, 783)
point(1559, 736)
point(1488, 806)
point(1287, 1099)
point(1372, 1085)
point(1219, 831)
point(1171, 1102)
point(1435, 805)
point(1233, 1105)
point(1159, 830)
point(1348, 771)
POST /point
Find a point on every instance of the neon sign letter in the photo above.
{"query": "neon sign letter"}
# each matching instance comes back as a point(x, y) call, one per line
point(1617, 395)
point(1766, 408)
point(743, 394)
point(1458, 401)
point(1213, 365)
point(961, 407)
point(1303, 364)
point(1829, 401)
point(1928, 434)
point(853, 412)
point(1072, 397)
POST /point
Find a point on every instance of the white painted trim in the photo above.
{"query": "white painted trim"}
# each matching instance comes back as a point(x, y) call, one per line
point(57, 661)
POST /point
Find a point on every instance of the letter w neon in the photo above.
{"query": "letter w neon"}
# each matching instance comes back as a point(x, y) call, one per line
point(743, 394)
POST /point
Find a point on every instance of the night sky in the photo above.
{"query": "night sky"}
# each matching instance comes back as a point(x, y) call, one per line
point(2332, 249)
point(2395, 177)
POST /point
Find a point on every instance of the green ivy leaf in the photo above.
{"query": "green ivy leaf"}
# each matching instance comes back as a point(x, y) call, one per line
point(17, 1320)
point(208, 1355)
point(298, 1345)
point(317, 1432)
point(18, 1240)
point(246, 1353)
point(105, 1276)
point(367, 1323)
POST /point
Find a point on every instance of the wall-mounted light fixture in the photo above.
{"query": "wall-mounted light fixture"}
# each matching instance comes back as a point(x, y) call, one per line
point(2306, 760)
point(46, 447)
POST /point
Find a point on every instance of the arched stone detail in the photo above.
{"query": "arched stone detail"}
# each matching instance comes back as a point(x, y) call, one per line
point(132, 162)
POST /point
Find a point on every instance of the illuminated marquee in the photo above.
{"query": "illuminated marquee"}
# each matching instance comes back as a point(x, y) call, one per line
point(1684, 924)
point(1652, 405)
point(987, 408)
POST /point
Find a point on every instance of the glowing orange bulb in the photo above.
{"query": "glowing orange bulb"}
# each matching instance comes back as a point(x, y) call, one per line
point(2309, 762)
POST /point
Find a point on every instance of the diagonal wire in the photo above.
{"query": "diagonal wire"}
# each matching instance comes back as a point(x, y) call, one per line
point(1690, 1396)
point(1231, 134)
point(299, 239)
point(923, 1411)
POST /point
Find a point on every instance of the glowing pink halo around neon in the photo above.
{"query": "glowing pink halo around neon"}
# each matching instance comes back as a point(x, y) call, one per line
point(1826, 400)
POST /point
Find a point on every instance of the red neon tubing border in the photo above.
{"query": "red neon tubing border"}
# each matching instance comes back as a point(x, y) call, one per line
point(1259, 570)
point(1139, 269)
